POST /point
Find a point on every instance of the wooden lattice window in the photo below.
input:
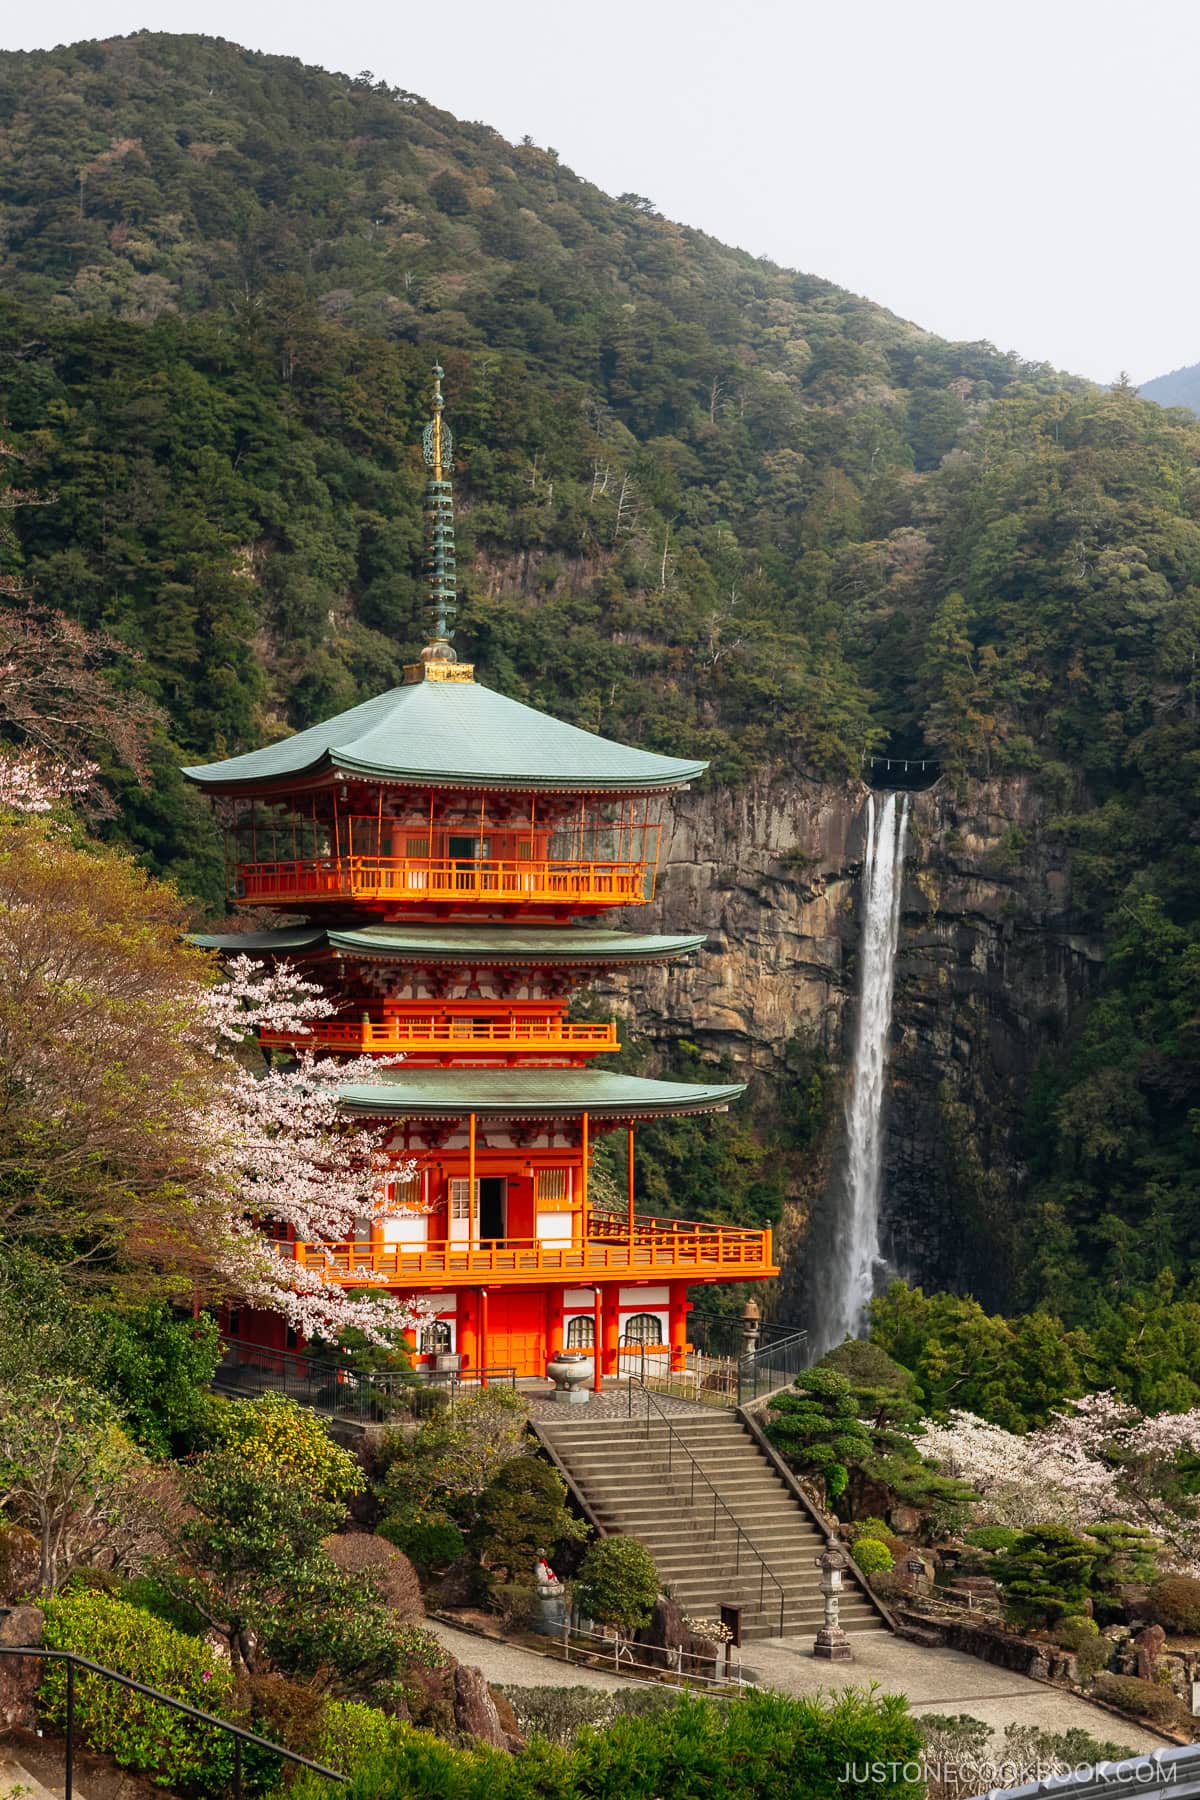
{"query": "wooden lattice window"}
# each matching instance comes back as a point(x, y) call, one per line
point(460, 1203)
point(435, 1338)
point(643, 1328)
point(552, 1191)
point(581, 1332)
point(407, 1193)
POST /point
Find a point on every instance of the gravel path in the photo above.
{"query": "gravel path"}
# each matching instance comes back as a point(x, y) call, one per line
point(942, 1681)
point(510, 1665)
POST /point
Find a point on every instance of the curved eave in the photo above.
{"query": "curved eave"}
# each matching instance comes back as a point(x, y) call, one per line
point(640, 1099)
point(314, 774)
point(354, 944)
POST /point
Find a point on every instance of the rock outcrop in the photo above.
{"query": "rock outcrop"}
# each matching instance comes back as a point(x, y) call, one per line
point(991, 974)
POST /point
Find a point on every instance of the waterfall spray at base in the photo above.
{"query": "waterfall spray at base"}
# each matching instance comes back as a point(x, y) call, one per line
point(854, 1257)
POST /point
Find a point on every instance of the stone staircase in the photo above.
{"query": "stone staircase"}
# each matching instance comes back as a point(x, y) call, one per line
point(634, 1483)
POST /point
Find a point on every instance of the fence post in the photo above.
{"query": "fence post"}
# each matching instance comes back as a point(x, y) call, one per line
point(70, 1769)
point(237, 1768)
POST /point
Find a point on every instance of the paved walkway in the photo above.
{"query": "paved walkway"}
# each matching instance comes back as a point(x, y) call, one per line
point(508, 1665)
point(941, 1681)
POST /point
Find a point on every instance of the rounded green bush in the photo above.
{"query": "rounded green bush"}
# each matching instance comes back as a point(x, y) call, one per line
point(1175, 1604)
point(139, 1733)
point(991, 1537)
point(618, 1583)
point(429, 1544)
point(1141, 1699)
point(872, 1557)
point(869, 1528)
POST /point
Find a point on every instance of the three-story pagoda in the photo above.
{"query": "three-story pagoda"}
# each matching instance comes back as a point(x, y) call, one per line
point(448, 852)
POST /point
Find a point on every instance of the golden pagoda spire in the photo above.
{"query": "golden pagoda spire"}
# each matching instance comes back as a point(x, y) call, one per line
point(438, 659)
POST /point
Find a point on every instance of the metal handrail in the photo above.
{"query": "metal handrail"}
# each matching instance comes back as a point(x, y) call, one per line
point(743, 1536)
point(362, 1391)
point(787, 1350)
point(238, 1733)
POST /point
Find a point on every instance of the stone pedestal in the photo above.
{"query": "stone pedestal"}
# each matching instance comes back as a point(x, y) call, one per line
point(832, 1644)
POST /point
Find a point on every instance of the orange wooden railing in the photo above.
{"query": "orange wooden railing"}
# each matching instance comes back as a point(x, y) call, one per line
point(483, 1035)
point(668, 1248)
point(418, 879)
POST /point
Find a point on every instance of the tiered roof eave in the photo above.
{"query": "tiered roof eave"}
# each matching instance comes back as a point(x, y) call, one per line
point(460, 734)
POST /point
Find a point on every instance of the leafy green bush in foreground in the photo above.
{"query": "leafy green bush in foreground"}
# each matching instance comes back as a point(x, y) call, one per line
point(139, 1733)
point(762, 1747)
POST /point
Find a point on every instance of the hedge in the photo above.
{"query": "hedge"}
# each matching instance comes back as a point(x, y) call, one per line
point(763, 1747)
point(138, 1733)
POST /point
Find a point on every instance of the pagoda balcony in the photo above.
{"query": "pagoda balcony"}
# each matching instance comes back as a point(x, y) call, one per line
point(418, 881)
point(663, 1248)
point(452, 1037)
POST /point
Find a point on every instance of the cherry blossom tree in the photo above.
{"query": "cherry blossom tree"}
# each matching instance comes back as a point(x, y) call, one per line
point(289, 1163)
point(31, 782)
point(1098, 1459)
point(139, 1146)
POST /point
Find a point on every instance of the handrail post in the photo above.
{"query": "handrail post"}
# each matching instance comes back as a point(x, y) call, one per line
point(237, 1769)
point(70, 1768)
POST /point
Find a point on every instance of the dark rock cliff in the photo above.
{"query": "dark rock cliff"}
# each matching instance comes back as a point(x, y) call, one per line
point(990, 977)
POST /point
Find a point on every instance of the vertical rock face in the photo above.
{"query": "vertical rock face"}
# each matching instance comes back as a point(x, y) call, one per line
point(990, 976)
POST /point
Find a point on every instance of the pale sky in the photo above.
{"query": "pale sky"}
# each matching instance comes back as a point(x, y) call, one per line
point(1020, 171)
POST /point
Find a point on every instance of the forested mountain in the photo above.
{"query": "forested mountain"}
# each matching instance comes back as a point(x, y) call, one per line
point(707, 504)
point(1180, 388)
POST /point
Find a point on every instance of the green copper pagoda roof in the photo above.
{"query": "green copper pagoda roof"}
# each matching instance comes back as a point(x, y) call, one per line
point(459, 943)
point(528, 1093)
point(451, 734)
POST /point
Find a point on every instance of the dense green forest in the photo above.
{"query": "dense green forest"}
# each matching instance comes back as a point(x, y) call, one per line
point(707, 504)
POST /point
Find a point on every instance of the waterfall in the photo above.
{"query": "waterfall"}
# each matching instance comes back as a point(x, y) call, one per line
point(855, 1258)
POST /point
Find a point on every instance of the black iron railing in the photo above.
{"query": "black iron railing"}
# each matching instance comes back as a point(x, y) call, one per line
point(370, 1397)
point(677, 1450)
point(773, 1366)
point(238, 1733)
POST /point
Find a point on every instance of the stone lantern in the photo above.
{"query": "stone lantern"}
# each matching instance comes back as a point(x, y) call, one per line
point(831, 1641)
point(751, 1320)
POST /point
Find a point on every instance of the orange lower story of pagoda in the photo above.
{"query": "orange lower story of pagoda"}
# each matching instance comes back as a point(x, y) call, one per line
point(508, 1306)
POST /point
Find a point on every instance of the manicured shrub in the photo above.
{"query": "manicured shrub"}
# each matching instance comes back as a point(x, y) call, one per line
point(1082, 1637)
point(1046, 1573)
point(869, 1528)
point(992, 1537)
point(522, 1513)
point(872, 1557)
point(430, 1544)
point(764, 1747)
point(137, 1732)
point(390, 1571)
point(278, 1440)
point(1174, 1603)
point(1141, 1699)
point(349, 1734)
point(617, 1583)
point(556, 1713)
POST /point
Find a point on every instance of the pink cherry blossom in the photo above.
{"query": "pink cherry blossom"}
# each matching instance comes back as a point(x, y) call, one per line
point(31, 782)
point(286, 1163)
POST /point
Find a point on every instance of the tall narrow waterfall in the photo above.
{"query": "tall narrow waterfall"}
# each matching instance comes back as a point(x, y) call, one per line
point(854, 1251)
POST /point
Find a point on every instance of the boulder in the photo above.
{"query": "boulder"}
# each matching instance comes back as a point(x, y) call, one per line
point(475, 1710)
point(19, 1675)
point(1148, 1645)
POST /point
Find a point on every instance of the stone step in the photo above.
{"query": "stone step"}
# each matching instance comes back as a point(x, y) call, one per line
point(647, 1487)
point(16, 1783)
